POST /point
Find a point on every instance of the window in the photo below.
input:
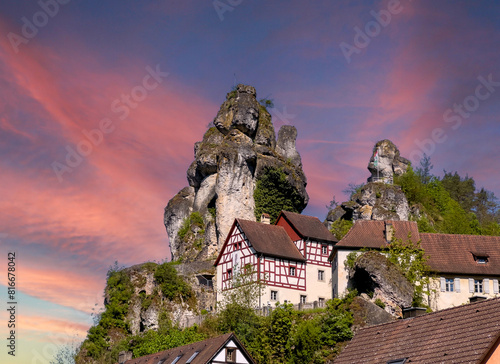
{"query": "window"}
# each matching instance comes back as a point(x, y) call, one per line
point(176, 359)
point(397, 361)
point(321, 275)
point(478, 286)
point(230, 355)
point(324, 249)
point(321, 302)
point(274, 295)
point(292, 271)
point(450, 284)
point(303, 299)
point(192, 357)
point(229, 273)
point(480, 259)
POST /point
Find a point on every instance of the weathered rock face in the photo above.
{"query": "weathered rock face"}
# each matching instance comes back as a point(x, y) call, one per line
point(367, 313)
point(373, 272)
point(231, 157)
point(385, 162)
point(378, 199)
point(147, 302)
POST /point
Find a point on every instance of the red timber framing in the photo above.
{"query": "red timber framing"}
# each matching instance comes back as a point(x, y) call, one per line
point(278, 272)
point(312, 250)
point(318, 253)
point(237, 253)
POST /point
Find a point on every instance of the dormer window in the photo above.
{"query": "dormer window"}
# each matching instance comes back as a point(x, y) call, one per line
point(480, 258)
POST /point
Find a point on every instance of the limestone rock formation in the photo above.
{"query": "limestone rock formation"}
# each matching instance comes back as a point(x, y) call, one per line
point(373, 272)
point(232, 156)
point(367, 313)
point(385, 162)
point(378, 199)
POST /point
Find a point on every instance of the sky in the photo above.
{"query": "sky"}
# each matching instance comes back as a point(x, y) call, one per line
point(101, 103)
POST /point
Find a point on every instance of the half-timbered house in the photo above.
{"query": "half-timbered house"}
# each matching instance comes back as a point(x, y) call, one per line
point(291, 258)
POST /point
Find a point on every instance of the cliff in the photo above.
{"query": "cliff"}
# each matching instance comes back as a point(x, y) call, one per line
point(232, 156)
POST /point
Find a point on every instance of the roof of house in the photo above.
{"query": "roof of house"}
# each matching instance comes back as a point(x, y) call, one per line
point(308, 227)
point(371, 233)
point(206, 349)
point(270, 240)
point(452, 253)
point(463, 334)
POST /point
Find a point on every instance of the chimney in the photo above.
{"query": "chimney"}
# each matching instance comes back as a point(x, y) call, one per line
point(123, 356)
point(477, 299)
point(389, 232)
point(413, 312)
point(265, 218)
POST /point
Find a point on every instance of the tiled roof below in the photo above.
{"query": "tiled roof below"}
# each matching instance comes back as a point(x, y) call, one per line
point(206, 350)
point(309, 226)
point(270, 240)
point(452, 253)
point(462, 334)
point(371, 233)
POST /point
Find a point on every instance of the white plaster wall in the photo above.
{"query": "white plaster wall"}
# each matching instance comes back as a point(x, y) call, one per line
point(444, 300)
point(340, 274)
point(284, 294)
point(315, 288)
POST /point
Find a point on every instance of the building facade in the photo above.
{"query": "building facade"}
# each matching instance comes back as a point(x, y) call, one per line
point(462, 266)
point(290, 259)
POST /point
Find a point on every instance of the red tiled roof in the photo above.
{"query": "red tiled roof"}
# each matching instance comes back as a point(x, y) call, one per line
point(371, 233)
point(270, 240)
point(206, 348)
point(451, 253)
point(308, 226)
point(463, 334)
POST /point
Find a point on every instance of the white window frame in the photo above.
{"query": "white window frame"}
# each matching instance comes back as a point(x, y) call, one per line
point(478, 286)
point(324, 249)
point(321, 275)
point(450, 285)
point(292, 271)
point(275, 294)
point(303, 298)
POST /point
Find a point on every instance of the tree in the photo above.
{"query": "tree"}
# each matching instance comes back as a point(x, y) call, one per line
point(424, 172)
point(333, 203)
point(274, 193)
point(352, 189)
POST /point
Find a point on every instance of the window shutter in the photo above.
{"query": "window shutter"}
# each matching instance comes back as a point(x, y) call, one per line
point(457, 285)
point(471, 285)
point(443, 284)
point(486, 285)
point(495, 286)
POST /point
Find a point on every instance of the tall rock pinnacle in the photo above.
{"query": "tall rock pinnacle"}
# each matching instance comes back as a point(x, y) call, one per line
point(232, 156)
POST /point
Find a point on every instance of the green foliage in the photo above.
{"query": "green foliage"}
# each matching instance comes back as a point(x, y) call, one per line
point(305, 341)
point(379, 303)
point(267, 103)
point(442, 213)
point(274, 193)
point(412, 261)
point(155, 341)
point(171, 284)
point(194, 220)
point(340, 228)
point(451, 204)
